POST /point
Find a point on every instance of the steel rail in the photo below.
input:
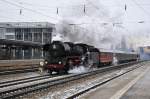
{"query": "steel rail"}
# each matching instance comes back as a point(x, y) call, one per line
point(100, 83)
point(25, 80)
point(23, 90)
point(15, 71)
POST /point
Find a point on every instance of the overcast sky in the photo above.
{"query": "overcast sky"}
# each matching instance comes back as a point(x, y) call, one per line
point(131, 17)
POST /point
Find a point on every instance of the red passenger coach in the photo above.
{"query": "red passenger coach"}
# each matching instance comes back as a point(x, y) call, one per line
point(106, 58)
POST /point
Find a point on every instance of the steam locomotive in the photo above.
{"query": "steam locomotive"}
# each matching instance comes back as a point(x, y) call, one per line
point(62, 56)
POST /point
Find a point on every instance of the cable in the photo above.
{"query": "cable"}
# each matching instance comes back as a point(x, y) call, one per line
point(51, 6)
point(55, 18)
point(28, 9)
point(141, 8)
point(47, 6)
point(94, 5)
point(7, 18)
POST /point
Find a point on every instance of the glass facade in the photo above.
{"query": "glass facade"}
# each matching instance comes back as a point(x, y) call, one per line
point(18, 53)
point(1, 33)
point(37, 37)
point(28, 31)
point(27, 34)
point(18, 34)
point(46, 38)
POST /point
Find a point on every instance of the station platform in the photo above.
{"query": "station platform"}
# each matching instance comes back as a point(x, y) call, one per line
point(133, 85)
point(5, 63)
point(17, 64)
point(140, 90)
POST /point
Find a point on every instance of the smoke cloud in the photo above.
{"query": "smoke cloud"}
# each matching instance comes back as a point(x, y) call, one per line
point(93, 26)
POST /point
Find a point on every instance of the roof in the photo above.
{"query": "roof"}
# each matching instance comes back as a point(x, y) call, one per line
point(115, 51)
point(27, 25)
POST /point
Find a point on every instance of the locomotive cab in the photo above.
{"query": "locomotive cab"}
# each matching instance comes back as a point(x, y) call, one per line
point(89, 55)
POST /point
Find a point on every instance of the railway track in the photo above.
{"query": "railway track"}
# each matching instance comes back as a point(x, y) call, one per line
point(30, 87)
point(25, 80)
point(15, 71)
point(102, 82)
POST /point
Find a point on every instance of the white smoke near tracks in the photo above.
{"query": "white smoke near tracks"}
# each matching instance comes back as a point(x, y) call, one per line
point(78, 70)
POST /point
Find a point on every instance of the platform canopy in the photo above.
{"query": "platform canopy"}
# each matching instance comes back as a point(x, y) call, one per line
point(20, 43)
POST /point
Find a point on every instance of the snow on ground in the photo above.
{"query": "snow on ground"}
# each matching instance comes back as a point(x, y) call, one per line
point(68, 91)
point(31, 83)
point(4, 78)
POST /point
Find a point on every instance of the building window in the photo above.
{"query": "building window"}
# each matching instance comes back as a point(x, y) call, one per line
point(27, 34)
point(27, 53)
point(38, 37)
point(18, 34)
point(26, 30)
point(37, 53)
point(47, 30)
point(35, 30)
point(46, 37)
point(10, 30)
point(10, 37)
point(1, 33)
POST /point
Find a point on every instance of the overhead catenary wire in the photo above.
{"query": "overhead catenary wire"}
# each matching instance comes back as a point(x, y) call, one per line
point(91, 3)
point(139, 6)
point(68, 6)
point(21, 8)
point(57, 7)
point(9, 18)
point(28, 9)
point(49, 6)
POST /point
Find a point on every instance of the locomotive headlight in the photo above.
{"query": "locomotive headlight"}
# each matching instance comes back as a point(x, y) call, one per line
point(83, 58)
point(59, 62)
point(46, 62)
point(41, 63)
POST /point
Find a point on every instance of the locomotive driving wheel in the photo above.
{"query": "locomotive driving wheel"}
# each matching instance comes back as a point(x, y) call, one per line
point(50, 72)
point(66, 69)
point(69, 64)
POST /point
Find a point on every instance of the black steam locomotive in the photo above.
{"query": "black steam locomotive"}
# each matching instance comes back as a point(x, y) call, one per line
point(62, 56)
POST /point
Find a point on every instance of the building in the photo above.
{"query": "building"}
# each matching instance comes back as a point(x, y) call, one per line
point(144, 53)
point(39, 32)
